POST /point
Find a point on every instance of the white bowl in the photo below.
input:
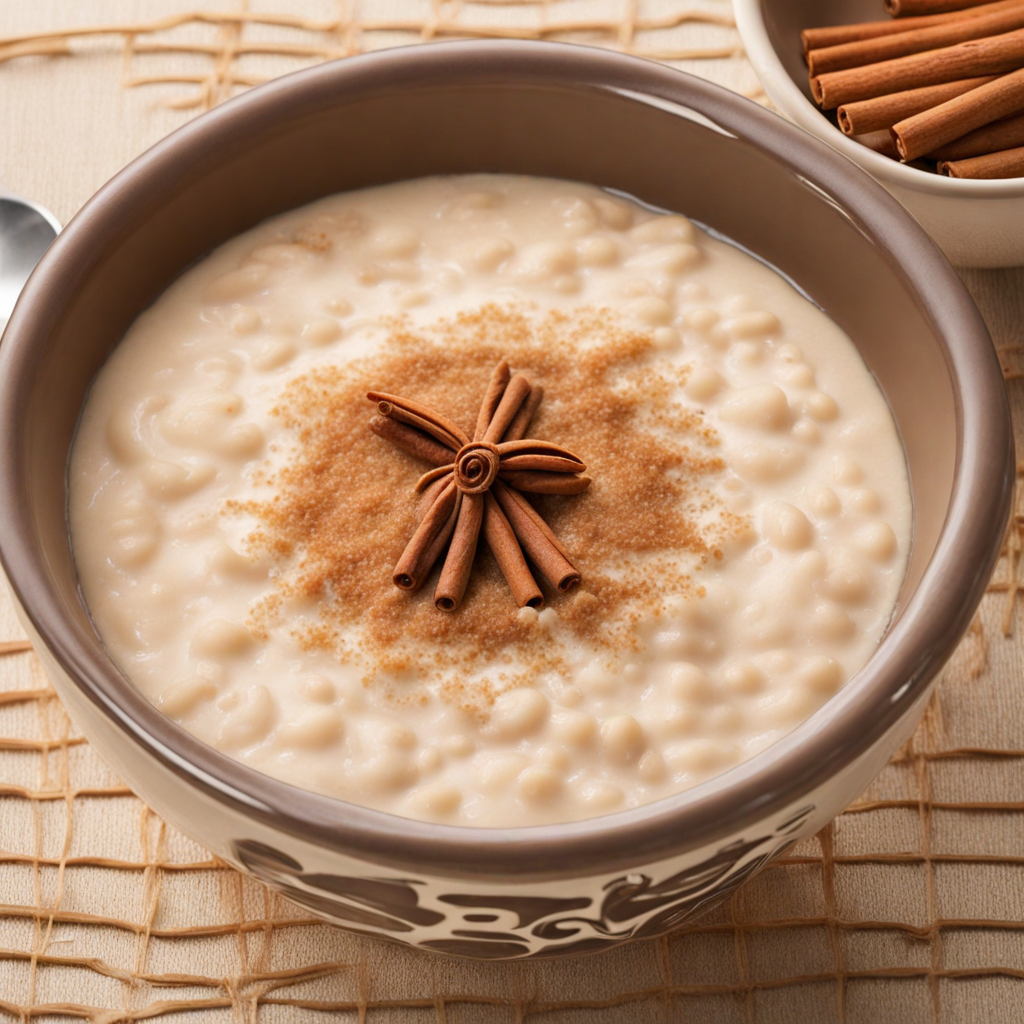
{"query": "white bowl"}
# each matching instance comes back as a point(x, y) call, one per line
point(976, 223)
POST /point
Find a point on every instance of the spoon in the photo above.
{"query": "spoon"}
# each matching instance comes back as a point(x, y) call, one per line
point(26, 231)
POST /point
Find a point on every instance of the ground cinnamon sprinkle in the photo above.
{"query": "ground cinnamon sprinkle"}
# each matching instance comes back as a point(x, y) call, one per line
point(343, 506)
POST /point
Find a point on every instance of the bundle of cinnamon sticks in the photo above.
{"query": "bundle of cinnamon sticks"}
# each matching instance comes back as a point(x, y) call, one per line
point(940, 85)
point(475, 489)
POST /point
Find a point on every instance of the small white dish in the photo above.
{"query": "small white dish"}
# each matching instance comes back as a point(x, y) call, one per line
point(977, 223)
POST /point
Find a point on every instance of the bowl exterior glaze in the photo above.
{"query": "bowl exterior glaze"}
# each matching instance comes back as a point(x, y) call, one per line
point(675, 142)
point(976, 223)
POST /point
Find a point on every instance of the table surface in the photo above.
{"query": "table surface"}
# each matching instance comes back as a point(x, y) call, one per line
point(908, 907)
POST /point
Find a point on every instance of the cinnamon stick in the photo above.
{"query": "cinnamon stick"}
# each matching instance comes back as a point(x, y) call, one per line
point(429, 496)
point(992, 138)
point(543, 463)
point(899, 8)
point(429, 540)
point(458, 563)
point(880, 142)
point(521, 421)
point(836, 35)
point(540, 455)
point(440, 542)
point(920, 134)
point(871, 51)
point(433, 476)
point(411, 441)
point(501, 539)
point(496, 388)
point(882, 112)
point(536, 539)
point(993, 55)
point(413, 414)
point(1008, 163)
point(545, 483)
point(511, 401)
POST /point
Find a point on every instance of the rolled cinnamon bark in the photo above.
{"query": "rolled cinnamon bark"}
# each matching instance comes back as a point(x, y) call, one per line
point(539, 482)
point(544, 463)
point(536, 538)
point(412, 441)
point(992, 56)
point(429, 496)
point(515, 395)
point(429, 540)
point(915, 136)
point(837, 35)
point(440, 542)
point(501, 539)
point(992, 138)
point(542, 455)
point(495, 389)
point(413, 414)
point(880, 142)
point(871, 51)
point(432, 476)
point(458, 563)
point(521, 422)
point(1009, 163)
point(882, 112)
point(900, 8)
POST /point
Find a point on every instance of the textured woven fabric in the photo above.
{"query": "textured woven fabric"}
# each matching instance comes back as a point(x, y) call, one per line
point(908, 907)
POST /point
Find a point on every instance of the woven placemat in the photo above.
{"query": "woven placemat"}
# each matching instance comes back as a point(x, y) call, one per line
point(908, 907)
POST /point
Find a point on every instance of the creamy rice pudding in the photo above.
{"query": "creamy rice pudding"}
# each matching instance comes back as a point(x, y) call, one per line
point(237, 524)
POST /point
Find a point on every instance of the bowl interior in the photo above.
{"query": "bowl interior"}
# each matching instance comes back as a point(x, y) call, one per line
point(537, 110)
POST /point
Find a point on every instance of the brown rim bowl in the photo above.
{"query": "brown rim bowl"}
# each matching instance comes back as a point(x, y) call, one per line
point(669, 139)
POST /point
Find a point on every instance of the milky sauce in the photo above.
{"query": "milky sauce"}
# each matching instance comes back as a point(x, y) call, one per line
point(691, 659)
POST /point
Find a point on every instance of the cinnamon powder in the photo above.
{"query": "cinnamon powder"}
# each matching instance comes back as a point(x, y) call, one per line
point(343, 507)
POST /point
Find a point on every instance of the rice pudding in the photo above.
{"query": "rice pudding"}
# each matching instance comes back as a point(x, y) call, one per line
point(237, 525)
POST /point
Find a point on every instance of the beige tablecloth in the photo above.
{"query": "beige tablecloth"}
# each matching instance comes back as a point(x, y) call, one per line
point(909, 907)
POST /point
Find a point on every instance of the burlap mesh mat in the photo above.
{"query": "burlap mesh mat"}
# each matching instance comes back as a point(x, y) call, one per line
point(909, 907)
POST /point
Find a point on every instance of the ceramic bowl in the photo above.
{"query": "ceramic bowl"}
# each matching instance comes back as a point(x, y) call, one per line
point(673, 141)
point(976, 223)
